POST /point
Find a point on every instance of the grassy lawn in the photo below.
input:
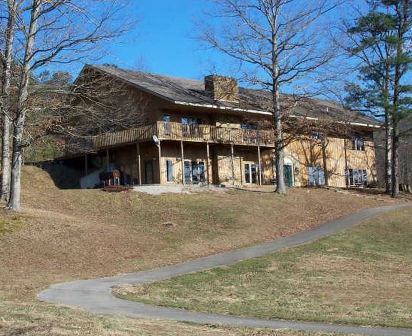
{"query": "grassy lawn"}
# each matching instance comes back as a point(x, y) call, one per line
point(362, 276)
point(46, 320)
point(65, 235)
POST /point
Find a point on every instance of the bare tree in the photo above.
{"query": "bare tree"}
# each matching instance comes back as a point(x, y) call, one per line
point(97, 103)
point(60, 32)
point(278, 42)
point(7, 60)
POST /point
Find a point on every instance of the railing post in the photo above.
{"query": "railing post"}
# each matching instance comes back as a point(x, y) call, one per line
point(160, 161)
point(183, 162)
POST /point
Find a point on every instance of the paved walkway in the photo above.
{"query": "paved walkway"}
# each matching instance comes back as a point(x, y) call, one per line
point(96, 295)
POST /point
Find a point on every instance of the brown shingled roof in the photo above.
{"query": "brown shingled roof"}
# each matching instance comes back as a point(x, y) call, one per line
point(189, 91)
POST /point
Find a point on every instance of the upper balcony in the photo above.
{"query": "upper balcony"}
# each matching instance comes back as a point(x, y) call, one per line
point(190, 133)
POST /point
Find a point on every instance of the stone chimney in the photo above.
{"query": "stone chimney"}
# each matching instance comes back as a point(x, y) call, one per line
point(222, 88)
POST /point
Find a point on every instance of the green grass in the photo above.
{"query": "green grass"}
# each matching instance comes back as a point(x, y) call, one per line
point(362, 276)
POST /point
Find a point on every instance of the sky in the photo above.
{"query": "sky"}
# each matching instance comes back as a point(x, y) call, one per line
point(163, 40)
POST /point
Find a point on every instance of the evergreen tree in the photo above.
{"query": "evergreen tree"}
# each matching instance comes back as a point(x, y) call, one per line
point(381, 40)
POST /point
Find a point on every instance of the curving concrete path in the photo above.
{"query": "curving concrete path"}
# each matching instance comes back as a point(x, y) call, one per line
point(96, 295)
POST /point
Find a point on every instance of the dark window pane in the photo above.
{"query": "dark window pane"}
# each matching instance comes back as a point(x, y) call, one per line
point(247, 173)
point(169, 170)
point(254, 173)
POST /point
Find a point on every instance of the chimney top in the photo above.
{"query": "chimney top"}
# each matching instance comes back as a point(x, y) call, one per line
point(222, 88)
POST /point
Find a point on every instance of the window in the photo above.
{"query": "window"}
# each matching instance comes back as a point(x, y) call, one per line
point(358, 143)
point(317, 136)
point(357, 177)
point(169, 170)
point(198, 172)
point(168, 127)
point(250, 173)
point(248, 126)
point(190, 126)
point(191, 121)
point(188, 172)
point(316, 176)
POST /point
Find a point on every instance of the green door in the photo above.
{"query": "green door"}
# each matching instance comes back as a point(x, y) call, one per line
point(288, 175)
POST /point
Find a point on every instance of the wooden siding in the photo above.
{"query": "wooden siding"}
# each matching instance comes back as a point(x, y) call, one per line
point(302, 154)
point(338, 155)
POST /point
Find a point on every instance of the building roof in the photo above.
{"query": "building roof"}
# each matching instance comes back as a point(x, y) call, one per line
point(192, 92)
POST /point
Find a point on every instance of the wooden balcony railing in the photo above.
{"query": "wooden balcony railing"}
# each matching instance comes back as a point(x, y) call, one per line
point(194, 133)
point(213, 134)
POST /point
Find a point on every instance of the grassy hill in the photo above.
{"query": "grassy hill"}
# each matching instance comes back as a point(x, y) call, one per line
point(361, 276)
point(71, 234)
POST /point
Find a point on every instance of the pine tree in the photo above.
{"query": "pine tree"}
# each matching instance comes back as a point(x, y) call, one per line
point(381, 40)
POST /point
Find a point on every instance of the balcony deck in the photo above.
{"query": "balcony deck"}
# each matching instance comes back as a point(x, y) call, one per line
point(190, 133)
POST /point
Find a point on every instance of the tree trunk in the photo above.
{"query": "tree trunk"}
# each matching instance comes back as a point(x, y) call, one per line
point(388, 154)
point(279, 150)
point(325, 159)
point(395, 159)
point(277, 113)
point(8, 58)
point(403, 12)
point(388, 130)
point(18, 145)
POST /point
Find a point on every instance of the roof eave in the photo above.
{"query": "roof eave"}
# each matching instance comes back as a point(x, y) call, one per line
point(238, 109)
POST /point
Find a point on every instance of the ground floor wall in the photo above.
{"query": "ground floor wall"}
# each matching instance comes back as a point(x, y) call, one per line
point(306, 161)
point(330, 161)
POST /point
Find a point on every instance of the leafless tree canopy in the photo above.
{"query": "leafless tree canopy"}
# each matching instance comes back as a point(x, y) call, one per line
point(53, 32)
point(277, 43)
point(269, 34)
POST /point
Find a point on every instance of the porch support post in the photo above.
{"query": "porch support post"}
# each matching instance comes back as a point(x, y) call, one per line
point(241, 169)
point(159, 146)
point(260, 166)
point(183, 161)
point(345, 145)
point(139, 163)
point(86, 166)
point(107, 159)
point(232, 155)
point(207, 162)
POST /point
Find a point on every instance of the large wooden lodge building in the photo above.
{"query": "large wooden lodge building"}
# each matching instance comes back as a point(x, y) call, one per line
point(215, 132)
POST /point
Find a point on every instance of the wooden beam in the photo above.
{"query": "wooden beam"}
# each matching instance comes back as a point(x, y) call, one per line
point(139, 163)
point(232, 155)
point(259, 166)
point(207, 162)
point(241, 170)
point(183, 162)
point(107, 159)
